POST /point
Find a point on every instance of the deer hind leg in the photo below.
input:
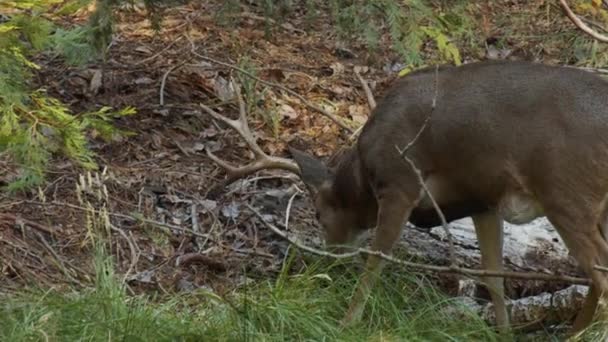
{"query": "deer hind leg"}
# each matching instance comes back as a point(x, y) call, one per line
point(489, 230)
point(582, 232)
point(394, 207)
point(585, 316)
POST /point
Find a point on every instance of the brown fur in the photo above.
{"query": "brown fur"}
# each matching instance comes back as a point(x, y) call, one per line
point(507, 140)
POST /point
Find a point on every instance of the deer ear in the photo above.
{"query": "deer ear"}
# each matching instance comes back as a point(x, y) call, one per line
point(312, 171)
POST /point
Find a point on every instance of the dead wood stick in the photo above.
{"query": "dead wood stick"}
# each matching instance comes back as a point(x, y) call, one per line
point(58, 262)
point(249, 15)
point(288, 210)
point(403, 153)
point(132, 249)
point(198, 242)
point(591, 70)
point(371, 102)
point(424, 267)
point(307, 103)
point(33, 224)
point(147, 59)
point(368, 92)
point(581, 25)
point(161, 95)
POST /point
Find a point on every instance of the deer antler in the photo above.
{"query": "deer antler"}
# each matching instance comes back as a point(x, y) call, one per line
point(241, 126)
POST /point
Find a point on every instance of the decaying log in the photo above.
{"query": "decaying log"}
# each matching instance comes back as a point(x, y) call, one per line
point(529, 313)
point(534, 247)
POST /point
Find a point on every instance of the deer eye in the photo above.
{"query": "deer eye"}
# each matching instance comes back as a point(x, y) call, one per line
point(318, 216)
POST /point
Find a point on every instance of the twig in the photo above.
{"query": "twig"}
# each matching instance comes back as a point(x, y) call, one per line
point(33, 224)
point(59, 262)
point(288, 210)
point(132, 249)
point(425, 267)
point(601, 268)
point(249, 15)
point(195, 228)
point(428, 117)
point(580, 24)
point(592, 70)
point(147, 59)
point(371, 102)
point(368, 92)
point(444, 222)
point(356, 133)
point(418, 173)
point(161, 95)
point(308, 104)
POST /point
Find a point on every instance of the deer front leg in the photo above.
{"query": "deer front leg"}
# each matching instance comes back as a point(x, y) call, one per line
point(393, 210)
point(489, 231)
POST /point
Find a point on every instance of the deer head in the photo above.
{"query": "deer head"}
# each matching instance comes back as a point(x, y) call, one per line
point(344, 205)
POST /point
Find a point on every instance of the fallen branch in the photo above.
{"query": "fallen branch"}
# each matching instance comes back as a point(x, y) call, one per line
point(37, 226)
point(308, 104)
point(580, 24)
point(424, 267)
point(368, 92)
point(371, 102)
point(58, 262)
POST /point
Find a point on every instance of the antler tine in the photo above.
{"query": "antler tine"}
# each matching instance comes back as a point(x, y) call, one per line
point(241, 126)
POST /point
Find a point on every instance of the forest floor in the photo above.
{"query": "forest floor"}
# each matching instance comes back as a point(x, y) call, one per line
point(174, 229)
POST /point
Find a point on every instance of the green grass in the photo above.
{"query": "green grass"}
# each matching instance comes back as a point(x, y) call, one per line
point(292, 307)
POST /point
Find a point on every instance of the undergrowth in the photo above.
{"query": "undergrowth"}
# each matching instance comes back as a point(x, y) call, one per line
point(296, 307)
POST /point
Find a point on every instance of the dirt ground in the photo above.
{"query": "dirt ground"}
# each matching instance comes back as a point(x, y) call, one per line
point(162, 174)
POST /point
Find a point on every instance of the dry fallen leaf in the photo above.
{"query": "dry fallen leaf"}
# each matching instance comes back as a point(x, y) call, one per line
point(96, 81)
point(358, 113)
point(287, 111)
point(337, 67)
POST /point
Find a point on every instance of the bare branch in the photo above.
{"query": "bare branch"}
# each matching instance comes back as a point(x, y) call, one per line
point(262, 160)
point(428, 117)
point(402, 152)
point(580, 24)
point(338, 121)
point(368, 92)
point(161, 95)
point(370, 101)
point(288, 210)
point(424, 267)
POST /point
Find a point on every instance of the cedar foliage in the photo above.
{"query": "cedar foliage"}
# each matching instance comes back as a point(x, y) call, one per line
point(34, 125)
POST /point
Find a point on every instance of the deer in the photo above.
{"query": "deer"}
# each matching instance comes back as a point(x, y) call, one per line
point(495, 141)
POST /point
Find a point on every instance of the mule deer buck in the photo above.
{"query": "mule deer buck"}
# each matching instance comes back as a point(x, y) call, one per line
point(505, 141)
